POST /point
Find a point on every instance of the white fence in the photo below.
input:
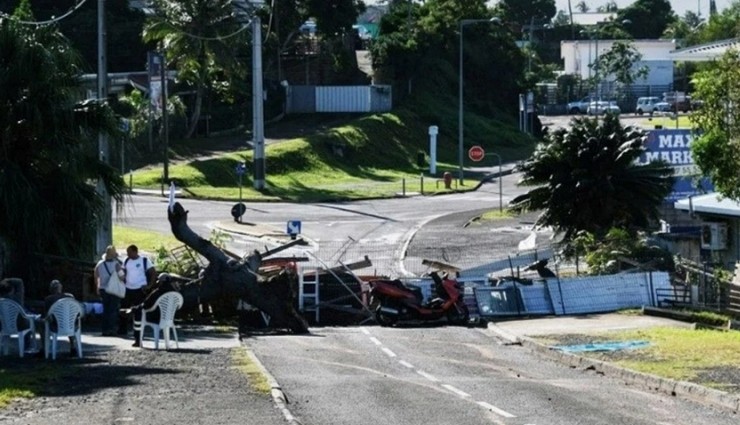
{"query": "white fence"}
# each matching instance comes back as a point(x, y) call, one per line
point(337, 99)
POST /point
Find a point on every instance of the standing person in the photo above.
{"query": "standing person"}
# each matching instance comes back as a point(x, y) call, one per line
point(140, 274)
point(108, 265)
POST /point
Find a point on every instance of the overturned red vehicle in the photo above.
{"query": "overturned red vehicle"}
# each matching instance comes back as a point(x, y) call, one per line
point(394, 301)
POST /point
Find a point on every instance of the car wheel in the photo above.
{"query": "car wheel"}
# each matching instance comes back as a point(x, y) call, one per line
point(639, 112)
point(574, 111)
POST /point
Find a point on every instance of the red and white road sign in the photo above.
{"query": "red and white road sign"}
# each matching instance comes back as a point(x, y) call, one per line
point(476, 153)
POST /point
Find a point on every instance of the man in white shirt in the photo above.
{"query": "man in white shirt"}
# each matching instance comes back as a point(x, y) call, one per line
point(140, 274)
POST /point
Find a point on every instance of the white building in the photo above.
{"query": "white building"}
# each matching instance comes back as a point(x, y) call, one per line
point(579, 54)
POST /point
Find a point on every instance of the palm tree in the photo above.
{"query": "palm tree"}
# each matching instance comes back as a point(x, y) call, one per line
point(48, 149)
point(588, 179)
point(200, 38)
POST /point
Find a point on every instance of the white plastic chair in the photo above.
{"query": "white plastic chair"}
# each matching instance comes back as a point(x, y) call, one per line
point(168, 304)
point(10, 312)
point(67, 313)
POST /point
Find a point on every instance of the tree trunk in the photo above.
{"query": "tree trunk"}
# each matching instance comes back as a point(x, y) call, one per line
point(228, 278)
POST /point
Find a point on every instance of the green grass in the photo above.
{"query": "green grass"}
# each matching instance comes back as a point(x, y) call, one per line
point(497, 215)
point(257, 379)
point(684, 121)
point(146, 240)
point(368, 157)
point(26, 381)
point(675, 353)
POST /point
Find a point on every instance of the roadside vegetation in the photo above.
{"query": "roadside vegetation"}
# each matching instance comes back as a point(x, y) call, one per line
point(368, 157)
point(703, 356)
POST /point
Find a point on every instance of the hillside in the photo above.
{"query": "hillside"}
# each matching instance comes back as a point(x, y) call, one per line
point(368, 156)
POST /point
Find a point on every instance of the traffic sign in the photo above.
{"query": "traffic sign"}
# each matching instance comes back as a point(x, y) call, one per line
point(238, 210)
point(241, 169)
point(294, 227)
point(476, 153)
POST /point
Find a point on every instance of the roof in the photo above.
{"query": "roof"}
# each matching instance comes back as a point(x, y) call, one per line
point(705, 52)
point(712, 203)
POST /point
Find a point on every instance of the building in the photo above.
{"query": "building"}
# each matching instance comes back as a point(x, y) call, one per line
point(579, 54)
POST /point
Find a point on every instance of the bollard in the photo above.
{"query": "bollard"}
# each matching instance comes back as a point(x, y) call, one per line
point(447, 177)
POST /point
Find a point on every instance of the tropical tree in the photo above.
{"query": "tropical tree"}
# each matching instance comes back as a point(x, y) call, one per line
point(716, 150)
point(620, 61)
point(587, 178)
point(202, 40)
point(49, 157)
point(582, 7)
point(649, 18)
point(524, 11)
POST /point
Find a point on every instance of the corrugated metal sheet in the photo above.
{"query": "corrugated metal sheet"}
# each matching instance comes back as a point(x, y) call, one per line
point(579, 295)
point(343, 99)
point(361, 99)
point(301, 99)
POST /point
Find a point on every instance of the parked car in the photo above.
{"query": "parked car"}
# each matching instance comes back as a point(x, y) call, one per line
point(580, 106)
point(677, 101)
point(600, 107)
point(646, 105)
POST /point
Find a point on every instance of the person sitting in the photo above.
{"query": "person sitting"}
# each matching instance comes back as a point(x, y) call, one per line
point(12, 288)
point(56, 293)
point(163, 285)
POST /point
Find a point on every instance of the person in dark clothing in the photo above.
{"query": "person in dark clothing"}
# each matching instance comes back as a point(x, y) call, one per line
point(163, 285)
point(56, 293)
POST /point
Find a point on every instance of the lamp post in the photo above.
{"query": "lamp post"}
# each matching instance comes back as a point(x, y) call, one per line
point(461, 149)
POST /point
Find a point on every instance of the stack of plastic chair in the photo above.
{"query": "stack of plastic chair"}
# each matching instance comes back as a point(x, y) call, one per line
point(167, 304)
point(10, 313)
point(67, 313)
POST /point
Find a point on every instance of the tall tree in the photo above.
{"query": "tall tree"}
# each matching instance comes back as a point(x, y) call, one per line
point(716, 151)
point(524, 12)
point(582, 7)
point(202, 40)
point(587, 178)
point(48, 148)
point(649, 18)
point(334, 17)
point(619, 61)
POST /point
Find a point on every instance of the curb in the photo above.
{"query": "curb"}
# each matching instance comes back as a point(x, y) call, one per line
point(276, 391)
point(683, 389)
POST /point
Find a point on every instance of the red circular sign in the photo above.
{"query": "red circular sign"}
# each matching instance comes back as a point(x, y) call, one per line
point(476, 153)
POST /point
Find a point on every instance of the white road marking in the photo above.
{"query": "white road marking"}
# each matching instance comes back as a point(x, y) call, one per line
point(388, 352)
point(405, 363)
point(461, 393)
point(495, 409)
point(365, 331)
point(428, 376)
point(375, 341)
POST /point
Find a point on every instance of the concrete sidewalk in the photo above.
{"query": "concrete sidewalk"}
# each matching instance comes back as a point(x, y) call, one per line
point(521, 332)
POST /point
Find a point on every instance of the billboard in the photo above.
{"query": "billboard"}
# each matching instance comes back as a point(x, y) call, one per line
point(674, 147)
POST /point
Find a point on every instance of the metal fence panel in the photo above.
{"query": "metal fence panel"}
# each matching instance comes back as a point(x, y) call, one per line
point(301, 99)
point(343, 99)
point(536, 299)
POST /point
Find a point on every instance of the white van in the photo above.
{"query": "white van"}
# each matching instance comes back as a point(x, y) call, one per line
point(646, 105)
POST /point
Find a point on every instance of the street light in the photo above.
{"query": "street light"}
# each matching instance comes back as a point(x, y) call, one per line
point(460, 154)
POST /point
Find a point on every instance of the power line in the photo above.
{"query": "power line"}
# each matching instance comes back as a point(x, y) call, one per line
point(48, 21)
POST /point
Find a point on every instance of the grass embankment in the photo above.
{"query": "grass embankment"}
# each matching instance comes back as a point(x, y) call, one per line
point(703, 356)
point(145, 240)
point(368, 157)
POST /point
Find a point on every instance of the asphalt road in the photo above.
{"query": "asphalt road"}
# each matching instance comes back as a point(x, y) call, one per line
point(448, 375)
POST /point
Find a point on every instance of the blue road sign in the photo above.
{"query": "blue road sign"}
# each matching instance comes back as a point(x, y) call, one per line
point(294, 227)
point(241, 169)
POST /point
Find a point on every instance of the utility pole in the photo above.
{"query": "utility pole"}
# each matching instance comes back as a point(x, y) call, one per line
point(104, 235)
point(165, 119)
point(258, 121)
